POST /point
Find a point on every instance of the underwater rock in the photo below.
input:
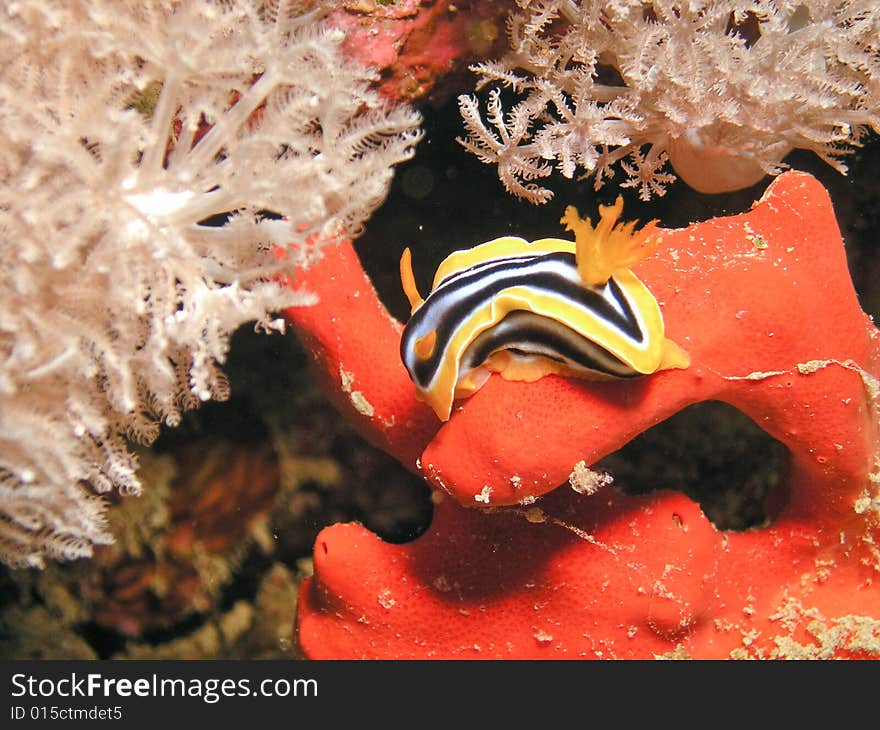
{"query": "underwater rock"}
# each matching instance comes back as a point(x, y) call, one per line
point(215, 506)
point(35, 633)
point(211, 640)
point(422, 49)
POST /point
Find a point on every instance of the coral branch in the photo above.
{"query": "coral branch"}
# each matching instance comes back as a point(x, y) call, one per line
point(352, 327)
point(764, 305)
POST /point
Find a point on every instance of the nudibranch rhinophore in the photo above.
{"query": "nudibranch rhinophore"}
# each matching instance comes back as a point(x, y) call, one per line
point(529, 309)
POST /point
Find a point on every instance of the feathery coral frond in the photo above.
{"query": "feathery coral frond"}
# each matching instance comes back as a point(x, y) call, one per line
point(125, 127)
point(723, 90)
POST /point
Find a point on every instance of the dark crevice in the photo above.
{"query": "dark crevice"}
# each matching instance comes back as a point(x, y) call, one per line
point(715, 455)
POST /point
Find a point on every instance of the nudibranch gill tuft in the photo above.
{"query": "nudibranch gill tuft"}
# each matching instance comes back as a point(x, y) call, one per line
point(529, 309)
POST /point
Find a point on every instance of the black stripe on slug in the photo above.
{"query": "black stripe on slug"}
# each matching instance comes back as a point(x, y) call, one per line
point(458, 296)
point(526, 333)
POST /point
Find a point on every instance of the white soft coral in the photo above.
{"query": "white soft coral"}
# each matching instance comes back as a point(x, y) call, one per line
point(722, 90)
point(126, 126)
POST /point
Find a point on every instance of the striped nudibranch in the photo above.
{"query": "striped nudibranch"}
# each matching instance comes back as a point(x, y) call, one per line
point(528, 309)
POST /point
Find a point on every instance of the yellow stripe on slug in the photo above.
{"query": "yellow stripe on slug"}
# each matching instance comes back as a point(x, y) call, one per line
point(498, 248)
